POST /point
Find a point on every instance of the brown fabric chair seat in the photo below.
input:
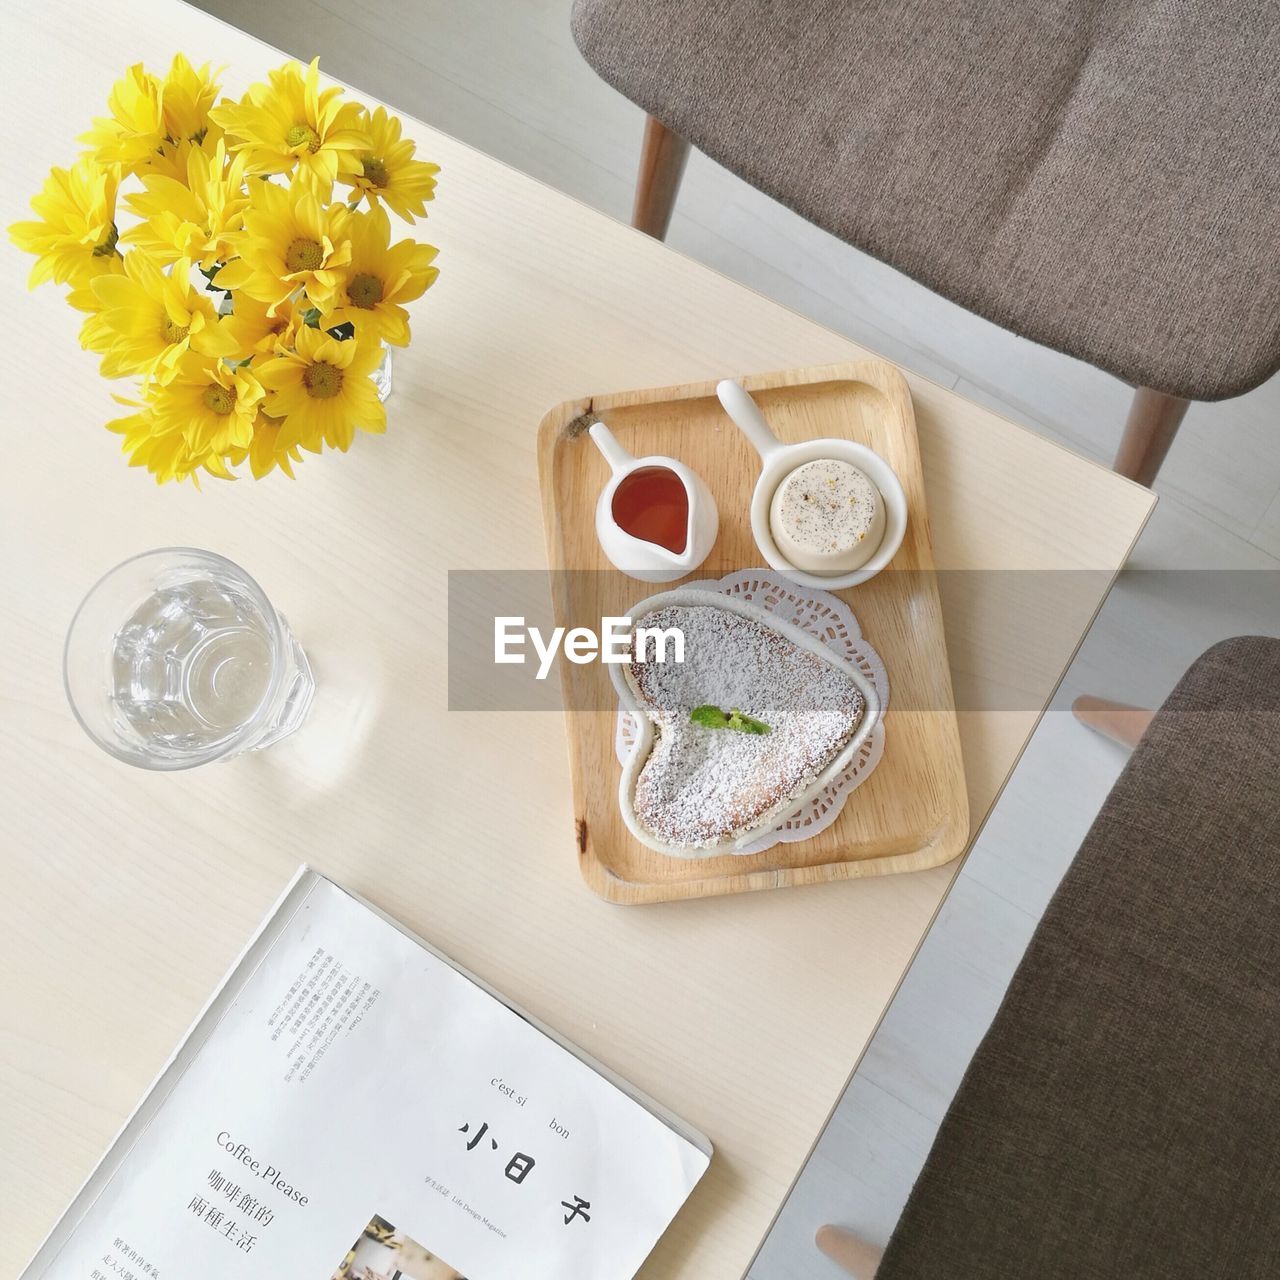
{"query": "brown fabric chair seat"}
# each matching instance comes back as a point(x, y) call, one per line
point(1103, 178)
point(1121, 1119)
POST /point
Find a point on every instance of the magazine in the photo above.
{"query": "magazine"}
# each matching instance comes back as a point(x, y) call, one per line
point(351, 1105)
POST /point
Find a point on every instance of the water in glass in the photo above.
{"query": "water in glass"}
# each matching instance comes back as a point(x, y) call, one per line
point(176, 658)
point(192, 664)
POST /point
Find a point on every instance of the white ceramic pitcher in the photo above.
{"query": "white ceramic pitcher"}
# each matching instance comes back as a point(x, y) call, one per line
point(637, 557)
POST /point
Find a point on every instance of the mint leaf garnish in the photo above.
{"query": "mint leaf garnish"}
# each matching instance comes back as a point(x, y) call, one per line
point(711, 717)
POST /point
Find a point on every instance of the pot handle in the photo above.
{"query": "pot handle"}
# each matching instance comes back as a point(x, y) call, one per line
point(747, 417)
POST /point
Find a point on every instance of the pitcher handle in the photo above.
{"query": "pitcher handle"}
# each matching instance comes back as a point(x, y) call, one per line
point(615, 455)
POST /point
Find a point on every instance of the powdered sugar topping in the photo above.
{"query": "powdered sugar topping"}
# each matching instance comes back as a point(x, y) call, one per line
point(701, 786)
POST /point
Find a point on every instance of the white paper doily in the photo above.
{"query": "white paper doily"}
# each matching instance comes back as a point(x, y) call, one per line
point(832, 622)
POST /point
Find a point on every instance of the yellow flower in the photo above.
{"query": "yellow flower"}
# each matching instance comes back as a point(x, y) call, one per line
point(324, 392)
point(255, 330)
point(190, 218)
point(192, 423)
point(211, 405)
point(155, 124)
point(290, 241)
point(166, 455)
point(389, 172)
point(154, 319)
point(291, 123)
point(379, 278)
point(173, 158)
point(187, 97)
point(75, 240)
point(265, 453)
point(134, 130)
point(95, 335)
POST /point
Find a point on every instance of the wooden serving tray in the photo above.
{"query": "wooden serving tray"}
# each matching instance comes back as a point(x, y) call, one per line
point(913, 811)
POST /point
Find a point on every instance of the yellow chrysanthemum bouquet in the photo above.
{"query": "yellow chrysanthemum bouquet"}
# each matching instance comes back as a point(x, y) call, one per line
point(254, 298)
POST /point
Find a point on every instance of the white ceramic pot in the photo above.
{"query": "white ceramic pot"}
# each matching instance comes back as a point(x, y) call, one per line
point(778, 460)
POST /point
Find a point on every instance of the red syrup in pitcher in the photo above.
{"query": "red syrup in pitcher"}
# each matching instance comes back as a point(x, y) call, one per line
point(651, 504)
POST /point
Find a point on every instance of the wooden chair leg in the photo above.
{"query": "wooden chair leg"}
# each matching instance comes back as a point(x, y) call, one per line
point(1115, 720)
point(662, 161)
point(1153, 421)
point(853, 1253)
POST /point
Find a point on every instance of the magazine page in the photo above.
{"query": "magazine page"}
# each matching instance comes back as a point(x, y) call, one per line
point(356, 1108)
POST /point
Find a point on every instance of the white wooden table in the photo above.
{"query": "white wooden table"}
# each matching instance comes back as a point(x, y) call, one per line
point(127, 894)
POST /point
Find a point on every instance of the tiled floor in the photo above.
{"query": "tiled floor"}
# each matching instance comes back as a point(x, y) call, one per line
point(504, 76)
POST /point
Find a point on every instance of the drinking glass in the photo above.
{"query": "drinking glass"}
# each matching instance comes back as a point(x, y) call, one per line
point(176, 658)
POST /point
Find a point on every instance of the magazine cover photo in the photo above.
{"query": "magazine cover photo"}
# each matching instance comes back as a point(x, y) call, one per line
point(383, 1253)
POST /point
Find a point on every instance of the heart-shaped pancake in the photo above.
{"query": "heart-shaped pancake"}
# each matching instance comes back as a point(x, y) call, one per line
point(705, 788)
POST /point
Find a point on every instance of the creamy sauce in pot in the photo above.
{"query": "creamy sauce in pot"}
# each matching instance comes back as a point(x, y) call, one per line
point(827, 517)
